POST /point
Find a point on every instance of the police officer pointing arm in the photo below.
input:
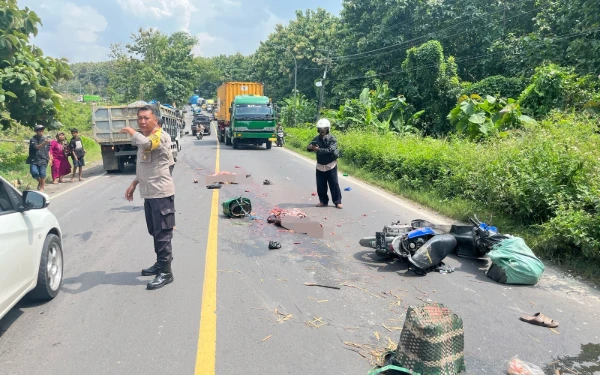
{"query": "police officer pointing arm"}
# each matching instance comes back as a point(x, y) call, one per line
point(156, 188)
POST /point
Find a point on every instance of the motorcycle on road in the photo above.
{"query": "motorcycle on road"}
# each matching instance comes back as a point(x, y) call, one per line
point(280, 140)
point(425, 245)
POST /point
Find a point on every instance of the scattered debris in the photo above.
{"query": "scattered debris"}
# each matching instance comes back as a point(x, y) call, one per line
point(348, 188)
point(248, 175)
point(266, 338)
point(555, 331)
point(345, 174)
point(195, 181)
point(237, 166)
point(374, 353)
point(316, 323)
point(267, 182)
point(273, 245)
point(277, 214)
point(391, 329)
point(518, 367)
point(323, 286)
point(214, 186)
point(240, 272)
point(539, 319)
point(237, 207)
point(314, 194)
point(283, 317)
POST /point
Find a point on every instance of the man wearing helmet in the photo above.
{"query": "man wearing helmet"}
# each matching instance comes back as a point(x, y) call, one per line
point(325, 146)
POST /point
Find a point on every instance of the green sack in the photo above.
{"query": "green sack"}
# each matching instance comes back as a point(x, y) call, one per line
point(513, 262)
point(237, 207)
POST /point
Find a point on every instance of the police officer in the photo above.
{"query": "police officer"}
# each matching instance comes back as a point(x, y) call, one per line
point(172, 165)
point(325, 146)
point(156, 188)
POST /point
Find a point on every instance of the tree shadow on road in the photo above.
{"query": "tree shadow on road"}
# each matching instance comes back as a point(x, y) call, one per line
point(88, 280)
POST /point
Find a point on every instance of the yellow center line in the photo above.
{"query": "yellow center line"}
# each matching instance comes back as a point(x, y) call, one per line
point(207, 339)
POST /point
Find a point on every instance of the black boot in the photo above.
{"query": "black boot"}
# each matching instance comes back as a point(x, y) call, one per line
point(154, 270)
point(164, 277)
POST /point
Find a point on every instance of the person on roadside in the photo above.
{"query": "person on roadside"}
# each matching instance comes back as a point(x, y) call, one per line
point(172, 166)
point(39, 156)
point(154, 157)
point(60, 158)
point(77, 153)
point(325, 146)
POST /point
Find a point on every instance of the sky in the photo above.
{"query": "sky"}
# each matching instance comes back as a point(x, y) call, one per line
point(83, 30)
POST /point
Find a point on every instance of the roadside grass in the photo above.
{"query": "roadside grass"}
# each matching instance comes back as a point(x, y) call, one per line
point(460, 210)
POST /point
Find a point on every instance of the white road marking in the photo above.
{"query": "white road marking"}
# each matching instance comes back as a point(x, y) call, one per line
point(383, 194)
point(76, 187)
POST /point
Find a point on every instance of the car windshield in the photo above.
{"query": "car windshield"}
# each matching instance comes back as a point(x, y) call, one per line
point(253, 110)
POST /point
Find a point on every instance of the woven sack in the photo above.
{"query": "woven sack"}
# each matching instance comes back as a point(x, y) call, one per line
point(432, 341)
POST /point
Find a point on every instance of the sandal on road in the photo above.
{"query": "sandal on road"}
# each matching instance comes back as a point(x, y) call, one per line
point(539, 319)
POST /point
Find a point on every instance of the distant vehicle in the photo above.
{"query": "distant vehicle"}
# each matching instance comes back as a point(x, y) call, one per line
point(116, 147)
point(226, 93)
point(193, 99)
point(201, 120)
point(31, 255)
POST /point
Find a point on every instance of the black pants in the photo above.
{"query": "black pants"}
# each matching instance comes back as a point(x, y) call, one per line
point(160, 219)
point(323, 179)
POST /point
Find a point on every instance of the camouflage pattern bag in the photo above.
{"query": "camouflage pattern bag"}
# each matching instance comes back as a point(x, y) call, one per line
point(432, 341)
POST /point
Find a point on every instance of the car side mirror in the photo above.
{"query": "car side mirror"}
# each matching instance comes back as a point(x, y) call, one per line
point(33, 200)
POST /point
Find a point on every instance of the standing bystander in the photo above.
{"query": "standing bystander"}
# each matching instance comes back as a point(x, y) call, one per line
point(39, 156)
point(77, 153)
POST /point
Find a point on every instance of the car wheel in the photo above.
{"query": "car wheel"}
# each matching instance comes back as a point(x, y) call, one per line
point(50, 274)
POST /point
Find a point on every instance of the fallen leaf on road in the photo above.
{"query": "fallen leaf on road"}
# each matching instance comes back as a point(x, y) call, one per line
point(266, 338)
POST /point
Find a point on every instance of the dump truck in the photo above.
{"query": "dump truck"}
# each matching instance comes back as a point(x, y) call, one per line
point(245, 115)
point(116, 147)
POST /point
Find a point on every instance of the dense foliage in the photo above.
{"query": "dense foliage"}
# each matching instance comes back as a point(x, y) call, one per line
point(26, 75)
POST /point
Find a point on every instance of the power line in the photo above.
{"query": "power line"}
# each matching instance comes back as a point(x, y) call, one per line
point(563, 36)
point(369, 54)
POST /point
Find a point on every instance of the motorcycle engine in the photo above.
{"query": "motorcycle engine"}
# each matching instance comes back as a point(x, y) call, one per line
point(413, 244)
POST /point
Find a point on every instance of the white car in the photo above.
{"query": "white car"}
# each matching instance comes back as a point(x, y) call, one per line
point(31, 257)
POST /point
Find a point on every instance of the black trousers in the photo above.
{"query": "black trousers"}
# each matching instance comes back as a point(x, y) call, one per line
point(329, 178)
point(160, 219)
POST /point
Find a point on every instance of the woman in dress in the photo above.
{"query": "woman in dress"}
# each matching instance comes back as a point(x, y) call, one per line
point(60, 162)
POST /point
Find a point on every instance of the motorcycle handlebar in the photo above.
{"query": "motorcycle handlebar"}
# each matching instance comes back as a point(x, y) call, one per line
point(474, 222)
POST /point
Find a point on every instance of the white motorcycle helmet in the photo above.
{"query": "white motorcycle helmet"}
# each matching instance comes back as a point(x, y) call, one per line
point(323, 124)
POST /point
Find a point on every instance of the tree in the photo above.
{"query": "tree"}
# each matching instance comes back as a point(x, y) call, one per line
point(26, 75)
point(155, 66)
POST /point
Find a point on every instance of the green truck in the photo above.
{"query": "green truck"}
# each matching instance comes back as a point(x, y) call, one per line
point(252, 121)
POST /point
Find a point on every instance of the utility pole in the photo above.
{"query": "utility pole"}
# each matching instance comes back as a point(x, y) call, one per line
point(323, 86)
point(295, 83)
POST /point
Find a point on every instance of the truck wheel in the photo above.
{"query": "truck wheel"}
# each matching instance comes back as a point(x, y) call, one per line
point(121, 164)
point(269, 144)
point(236, 143)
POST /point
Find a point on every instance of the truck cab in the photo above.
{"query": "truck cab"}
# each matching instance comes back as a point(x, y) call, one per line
point(252, 121)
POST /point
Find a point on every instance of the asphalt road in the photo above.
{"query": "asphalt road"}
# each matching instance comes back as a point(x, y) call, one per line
point(267, 320)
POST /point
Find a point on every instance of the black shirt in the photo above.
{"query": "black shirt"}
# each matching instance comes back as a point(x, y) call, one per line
point(38, 157)
point(328, 150)
point(76, 145)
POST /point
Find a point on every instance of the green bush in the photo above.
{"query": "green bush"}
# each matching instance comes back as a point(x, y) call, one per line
point(497, 86)
point(543, 176)
point(556, 87)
